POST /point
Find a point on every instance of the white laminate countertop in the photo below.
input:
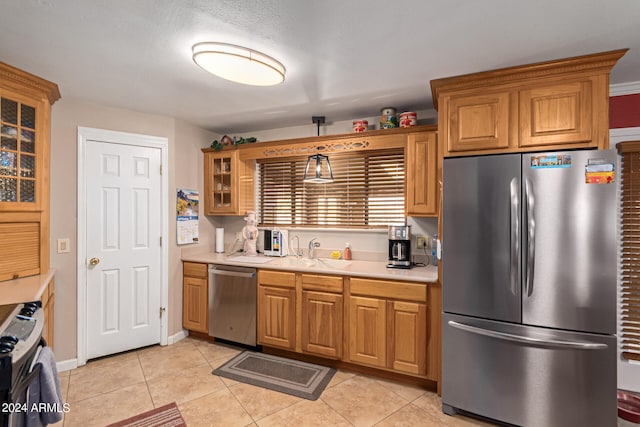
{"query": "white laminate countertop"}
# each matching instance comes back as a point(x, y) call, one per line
point(369, 269)
point(25, 289)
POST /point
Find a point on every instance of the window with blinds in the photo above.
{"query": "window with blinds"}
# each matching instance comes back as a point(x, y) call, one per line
point(367, 191)
point(630, 232)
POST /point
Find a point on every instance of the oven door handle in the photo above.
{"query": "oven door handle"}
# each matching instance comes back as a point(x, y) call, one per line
point(22, 386)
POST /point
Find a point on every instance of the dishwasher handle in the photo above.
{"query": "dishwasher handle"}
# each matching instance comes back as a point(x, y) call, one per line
point(232, 273)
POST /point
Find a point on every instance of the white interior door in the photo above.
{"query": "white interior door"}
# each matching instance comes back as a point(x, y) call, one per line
point(123, 247)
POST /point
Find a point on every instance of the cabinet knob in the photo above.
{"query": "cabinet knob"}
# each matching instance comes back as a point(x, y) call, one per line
point(94, 261)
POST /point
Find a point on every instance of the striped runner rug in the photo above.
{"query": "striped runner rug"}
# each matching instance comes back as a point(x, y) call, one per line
point(164, 416)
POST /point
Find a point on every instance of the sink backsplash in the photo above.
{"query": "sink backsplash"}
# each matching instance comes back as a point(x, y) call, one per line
point(366, 245)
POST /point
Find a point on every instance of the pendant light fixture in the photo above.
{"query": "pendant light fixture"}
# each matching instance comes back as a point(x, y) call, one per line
point(238, 64)
point(318, 169)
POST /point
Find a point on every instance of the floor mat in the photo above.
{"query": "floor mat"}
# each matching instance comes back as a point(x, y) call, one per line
point(289, 376)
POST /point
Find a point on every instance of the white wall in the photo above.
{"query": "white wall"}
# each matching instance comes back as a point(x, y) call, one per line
point(185, 170)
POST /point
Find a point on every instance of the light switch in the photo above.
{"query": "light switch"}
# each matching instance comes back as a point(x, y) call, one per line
point(63, 246)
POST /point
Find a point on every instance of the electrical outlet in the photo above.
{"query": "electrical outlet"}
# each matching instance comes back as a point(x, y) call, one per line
point(239, 235)
point(421, 242)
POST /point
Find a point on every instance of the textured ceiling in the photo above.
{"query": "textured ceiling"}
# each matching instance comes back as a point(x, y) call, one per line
point(344, 59)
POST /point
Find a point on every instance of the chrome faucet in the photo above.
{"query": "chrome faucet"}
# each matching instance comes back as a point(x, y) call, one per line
point(298, 250)
point(312, 246)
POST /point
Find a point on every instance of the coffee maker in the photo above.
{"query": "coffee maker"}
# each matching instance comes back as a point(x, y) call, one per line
point(399, 246)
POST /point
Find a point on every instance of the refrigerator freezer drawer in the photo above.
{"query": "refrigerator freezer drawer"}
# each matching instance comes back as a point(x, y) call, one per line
point(528, 376)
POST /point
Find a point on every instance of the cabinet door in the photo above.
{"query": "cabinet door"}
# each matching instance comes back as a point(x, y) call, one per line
point(322, 324)
point(22, 151)
point(367, 331)
point(220, 172)
point(421, 174)
point(277, 317)
point(556, 114)
point(407, 337)
point(478, 122)
point(20, 253)
point(194, 304)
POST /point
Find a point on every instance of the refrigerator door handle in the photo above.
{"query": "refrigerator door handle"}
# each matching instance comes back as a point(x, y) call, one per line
point(530, 235)
point(580, 345)
point(514, 272)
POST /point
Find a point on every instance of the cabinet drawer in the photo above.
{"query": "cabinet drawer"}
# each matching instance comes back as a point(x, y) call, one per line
point(389, 289)
point(317, 282)
point(19, 249)
point(195, 269)
point(280, 279)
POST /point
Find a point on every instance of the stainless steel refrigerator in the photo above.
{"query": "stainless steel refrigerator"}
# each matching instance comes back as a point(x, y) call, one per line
point(529, 288)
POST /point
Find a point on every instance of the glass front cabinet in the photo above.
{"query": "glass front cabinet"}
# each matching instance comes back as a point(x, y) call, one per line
point(21, 152)
point(228, 183)
point(25, 121)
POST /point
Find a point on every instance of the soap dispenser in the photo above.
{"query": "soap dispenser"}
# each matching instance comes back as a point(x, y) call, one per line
point(347, 251)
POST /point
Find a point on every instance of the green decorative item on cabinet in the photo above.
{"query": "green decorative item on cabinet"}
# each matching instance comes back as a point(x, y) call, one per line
point(225, 141)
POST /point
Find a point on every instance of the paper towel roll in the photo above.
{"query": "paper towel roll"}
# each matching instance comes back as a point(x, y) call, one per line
point(219, 240)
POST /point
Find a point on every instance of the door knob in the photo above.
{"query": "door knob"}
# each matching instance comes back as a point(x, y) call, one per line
point(94, 261)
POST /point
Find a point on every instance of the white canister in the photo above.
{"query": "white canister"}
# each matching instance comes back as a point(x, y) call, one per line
point(388, 118)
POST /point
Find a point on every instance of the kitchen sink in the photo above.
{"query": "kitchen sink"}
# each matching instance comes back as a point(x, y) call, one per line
point(315, 263)
point(333, 263)
point(295, 262)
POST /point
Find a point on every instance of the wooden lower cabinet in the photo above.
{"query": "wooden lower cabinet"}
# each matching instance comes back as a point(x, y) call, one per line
point(322, 324)
point(370, 322)
point(388, 325)
point(195, 297)
point(368, 331)
point(277, 317)
point(407, 335)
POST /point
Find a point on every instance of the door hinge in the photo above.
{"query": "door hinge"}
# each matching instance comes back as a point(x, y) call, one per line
point(160, 169)
point(160, 241)
point(162, 310)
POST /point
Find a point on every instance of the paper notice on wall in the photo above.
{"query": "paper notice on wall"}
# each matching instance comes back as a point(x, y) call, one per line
point(187, 203)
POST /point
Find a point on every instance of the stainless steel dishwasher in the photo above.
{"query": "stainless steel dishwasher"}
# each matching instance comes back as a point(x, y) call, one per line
point(232, 303)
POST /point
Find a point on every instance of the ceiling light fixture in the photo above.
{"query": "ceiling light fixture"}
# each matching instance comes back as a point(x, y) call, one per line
point(319, 162)
point(238, 64)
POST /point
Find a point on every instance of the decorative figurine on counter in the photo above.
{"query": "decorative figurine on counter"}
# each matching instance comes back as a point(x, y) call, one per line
point(250, 234)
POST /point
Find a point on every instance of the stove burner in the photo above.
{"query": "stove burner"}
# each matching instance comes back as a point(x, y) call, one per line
point(10, 338)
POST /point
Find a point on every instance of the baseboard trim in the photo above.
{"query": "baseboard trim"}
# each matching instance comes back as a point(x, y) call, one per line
point(172, 339)
point(67, 365)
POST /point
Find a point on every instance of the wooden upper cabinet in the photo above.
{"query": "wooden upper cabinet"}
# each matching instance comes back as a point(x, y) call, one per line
point(228, 183)
point(421, 165)
point(556, 114)
point(25, 127)
point(25, 111)
point(559, 104)
point(479, 122)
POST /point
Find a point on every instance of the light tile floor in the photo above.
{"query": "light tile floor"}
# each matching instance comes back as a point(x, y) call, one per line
point(118, 387)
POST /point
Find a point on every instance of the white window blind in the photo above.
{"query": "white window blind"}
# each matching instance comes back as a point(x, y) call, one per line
point(630, 223)
point(368, 191)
